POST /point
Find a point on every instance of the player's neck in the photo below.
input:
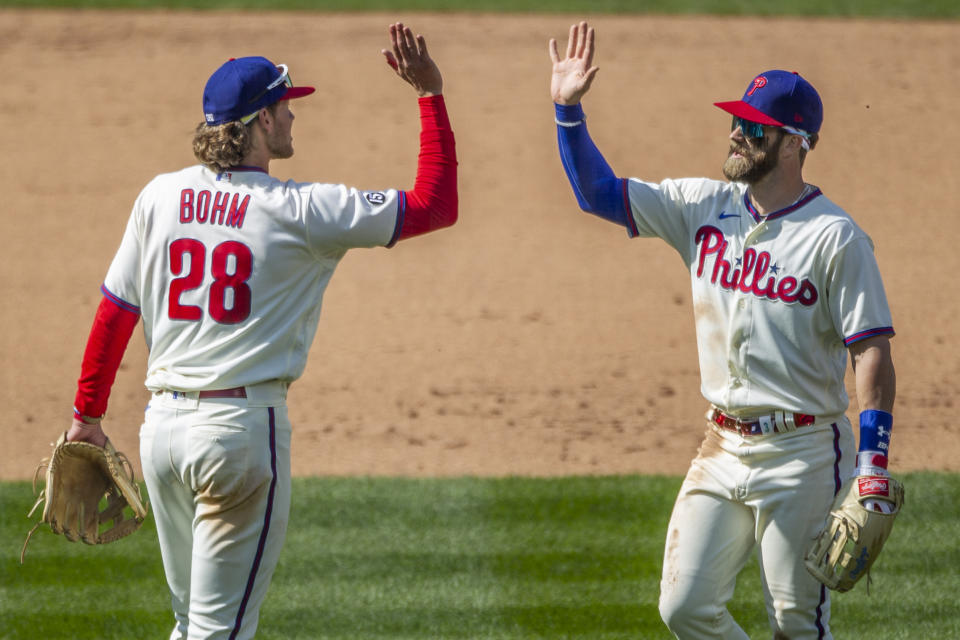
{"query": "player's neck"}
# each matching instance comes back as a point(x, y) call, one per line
point(259, 154)
point(257, 158)
point(775, 192)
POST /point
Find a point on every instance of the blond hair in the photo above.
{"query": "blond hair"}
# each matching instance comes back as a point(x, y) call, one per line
point(222, 146)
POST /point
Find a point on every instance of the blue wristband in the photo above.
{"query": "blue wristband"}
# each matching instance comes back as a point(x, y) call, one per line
point(875, 427)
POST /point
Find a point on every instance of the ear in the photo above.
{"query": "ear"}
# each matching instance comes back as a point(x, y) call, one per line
point(265, 118)
point(793, 145)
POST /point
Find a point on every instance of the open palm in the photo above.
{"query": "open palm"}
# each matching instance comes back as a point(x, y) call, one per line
point(573, 74)
point(411, 61)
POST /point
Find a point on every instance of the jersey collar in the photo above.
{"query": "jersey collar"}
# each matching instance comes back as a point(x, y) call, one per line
point(226, 174)
point(782, 212)
point(244, 168)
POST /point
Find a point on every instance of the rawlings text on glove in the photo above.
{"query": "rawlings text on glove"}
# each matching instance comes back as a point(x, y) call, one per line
point(853, 536)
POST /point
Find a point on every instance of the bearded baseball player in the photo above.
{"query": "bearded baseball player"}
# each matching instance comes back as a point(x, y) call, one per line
point(227, 266)
point(784, 285)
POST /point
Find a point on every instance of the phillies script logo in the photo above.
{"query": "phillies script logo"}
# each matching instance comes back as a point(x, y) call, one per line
point(758, 83)
point(873, 486)
point(752, 273)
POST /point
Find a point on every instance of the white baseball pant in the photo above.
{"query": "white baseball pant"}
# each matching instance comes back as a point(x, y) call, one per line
point(218, 476)
point(771, 492)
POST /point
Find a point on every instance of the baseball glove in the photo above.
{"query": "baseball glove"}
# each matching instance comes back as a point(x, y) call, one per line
point(88, 489)
point(855, 532)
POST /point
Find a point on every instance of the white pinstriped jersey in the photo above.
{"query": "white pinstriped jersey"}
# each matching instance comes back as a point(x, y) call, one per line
point(229, 271)
point(776, 300)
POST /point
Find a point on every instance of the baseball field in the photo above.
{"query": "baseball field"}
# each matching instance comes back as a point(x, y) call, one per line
point(494, 419)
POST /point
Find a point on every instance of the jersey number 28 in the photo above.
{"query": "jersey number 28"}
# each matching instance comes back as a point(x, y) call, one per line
point(227, 288)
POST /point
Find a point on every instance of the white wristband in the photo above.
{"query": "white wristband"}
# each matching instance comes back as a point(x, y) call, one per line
point(871, 471)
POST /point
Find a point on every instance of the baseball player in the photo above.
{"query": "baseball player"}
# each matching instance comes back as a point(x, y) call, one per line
point(227, 266)
point(784, 285)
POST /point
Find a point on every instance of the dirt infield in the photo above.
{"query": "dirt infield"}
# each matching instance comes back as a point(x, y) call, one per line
point(530, 338)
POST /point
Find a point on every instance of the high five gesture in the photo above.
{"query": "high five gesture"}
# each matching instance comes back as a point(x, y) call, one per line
point(573, 74)
point(409, 58)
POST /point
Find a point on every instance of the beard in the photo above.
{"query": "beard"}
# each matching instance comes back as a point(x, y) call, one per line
point(754, 164)
point(280, 145)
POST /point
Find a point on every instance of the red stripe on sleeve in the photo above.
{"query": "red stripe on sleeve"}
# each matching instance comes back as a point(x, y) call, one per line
point(432, 204)
point(111, 331)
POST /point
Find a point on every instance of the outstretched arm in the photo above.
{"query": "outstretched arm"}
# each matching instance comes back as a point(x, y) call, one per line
point(432, 203)
point(597, 188)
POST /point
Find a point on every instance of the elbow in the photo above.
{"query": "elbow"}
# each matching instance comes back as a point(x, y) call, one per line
point(444, 220)
point(605, 200)
point(454, 213)
point(452, 218)
point(444, 214)
point(593, 197)
point(427, 216)
point(587, 206)
point(448, 210)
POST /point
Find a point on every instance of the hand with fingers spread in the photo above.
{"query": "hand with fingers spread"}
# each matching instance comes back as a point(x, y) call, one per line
point(573, 74)
point(409, 58)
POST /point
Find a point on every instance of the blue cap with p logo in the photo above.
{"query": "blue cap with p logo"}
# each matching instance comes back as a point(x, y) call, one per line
point(780, 99)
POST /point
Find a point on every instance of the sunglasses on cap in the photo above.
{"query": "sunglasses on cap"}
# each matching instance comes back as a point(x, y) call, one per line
point(283, 78)
point(754, 130)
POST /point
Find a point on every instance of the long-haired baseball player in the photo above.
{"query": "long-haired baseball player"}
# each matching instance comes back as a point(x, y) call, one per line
point(227, 266)
point(785, 285)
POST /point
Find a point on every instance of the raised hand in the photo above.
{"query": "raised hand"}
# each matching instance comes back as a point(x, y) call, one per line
point(573, 74)
point(409, 58)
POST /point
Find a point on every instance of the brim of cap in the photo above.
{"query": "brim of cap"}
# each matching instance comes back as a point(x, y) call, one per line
point(745, 111)
point(297, 92)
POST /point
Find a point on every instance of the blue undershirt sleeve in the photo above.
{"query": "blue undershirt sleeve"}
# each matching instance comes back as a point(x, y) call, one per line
point(598, 190)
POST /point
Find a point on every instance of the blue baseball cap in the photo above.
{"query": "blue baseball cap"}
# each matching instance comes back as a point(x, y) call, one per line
point(243, 86)
point(780, 99)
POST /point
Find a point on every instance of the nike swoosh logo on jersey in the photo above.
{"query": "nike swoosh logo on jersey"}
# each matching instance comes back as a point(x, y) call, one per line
point(724, 214)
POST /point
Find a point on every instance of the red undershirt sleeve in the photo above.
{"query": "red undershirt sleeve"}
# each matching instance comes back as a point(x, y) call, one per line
point(432, 203)
point(112, 327)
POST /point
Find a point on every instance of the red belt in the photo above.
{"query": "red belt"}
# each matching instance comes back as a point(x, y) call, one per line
point(235, 392)
point(776, 422)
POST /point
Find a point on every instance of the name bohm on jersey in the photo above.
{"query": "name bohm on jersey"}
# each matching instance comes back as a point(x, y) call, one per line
point(750, 274)
point(213, 207)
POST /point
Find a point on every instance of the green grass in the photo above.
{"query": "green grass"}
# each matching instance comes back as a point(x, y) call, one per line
point(869, 8)
point(466, 558)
